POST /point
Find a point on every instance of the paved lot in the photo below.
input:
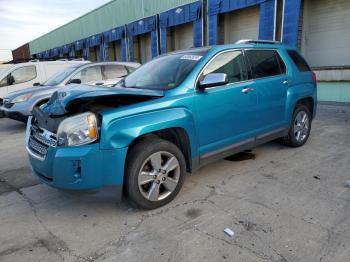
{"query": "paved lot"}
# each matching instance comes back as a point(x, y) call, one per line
point(283, 205)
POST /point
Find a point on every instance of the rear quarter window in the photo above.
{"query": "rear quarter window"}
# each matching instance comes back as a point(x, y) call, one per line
point(299, 61)
point(265, 63)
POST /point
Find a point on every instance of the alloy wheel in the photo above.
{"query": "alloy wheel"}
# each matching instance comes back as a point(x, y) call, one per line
point(301, 126)
point(159, 176)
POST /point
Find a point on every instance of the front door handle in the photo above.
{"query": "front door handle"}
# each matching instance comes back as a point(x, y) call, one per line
point(286, 82)
point(247, 90)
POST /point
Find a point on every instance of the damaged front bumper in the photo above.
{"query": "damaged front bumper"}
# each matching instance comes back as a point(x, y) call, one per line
point(82, 167)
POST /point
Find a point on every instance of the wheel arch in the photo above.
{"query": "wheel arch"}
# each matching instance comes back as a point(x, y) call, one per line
point(308, 102)
point(175, 135)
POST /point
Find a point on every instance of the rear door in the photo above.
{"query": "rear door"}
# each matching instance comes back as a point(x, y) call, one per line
point(268, 71)
point(90, 75)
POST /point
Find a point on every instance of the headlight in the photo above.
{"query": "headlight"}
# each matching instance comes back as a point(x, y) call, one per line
point(22, 98)
point(78, 130)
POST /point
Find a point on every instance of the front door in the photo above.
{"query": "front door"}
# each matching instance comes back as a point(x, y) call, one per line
point(225, 115)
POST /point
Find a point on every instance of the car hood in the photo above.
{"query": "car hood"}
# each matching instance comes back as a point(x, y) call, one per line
point(65, 97)
point(33, 90)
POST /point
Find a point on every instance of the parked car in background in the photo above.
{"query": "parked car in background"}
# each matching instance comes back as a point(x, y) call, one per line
point(19, 105)
point(173, 115)
point(24, 75)
point(3, 67)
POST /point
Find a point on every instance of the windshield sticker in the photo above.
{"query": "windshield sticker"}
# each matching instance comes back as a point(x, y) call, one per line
point(191, 57)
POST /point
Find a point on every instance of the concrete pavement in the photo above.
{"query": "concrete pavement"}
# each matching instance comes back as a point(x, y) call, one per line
point(283, 204)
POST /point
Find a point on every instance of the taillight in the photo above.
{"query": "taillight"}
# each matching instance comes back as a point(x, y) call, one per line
point(314, 79)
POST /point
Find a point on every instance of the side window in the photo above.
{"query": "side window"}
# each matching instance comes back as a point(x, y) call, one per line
point(23, 74)
point(265, 63)
point(3, 82)
point(114, 71)
point(230, 63)
point(299, 61)
point(89, 74)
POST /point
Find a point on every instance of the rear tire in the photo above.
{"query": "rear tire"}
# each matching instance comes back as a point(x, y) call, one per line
point(300, 127)
point(155, 172)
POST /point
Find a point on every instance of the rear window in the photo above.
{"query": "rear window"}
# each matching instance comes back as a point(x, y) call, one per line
point(299, 61)
point(265, 63)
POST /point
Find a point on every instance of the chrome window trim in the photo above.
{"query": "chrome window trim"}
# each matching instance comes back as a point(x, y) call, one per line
point(248, 80)
point(211, 59)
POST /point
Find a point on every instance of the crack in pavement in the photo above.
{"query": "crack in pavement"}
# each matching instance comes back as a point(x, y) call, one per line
point(53, 243)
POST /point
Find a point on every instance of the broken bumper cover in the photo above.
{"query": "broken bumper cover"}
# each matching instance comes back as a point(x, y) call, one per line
point(83, 167)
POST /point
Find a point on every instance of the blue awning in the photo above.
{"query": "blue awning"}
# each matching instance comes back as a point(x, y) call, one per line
point(47, 54)
point(94, 40)
point(181, 15)
point(114, 34)
point(222, 6)
point(66, 48)
point(142, 26)
point(79, 44)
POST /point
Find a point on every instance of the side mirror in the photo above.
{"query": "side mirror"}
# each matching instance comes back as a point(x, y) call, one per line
point(10, 79)
point(213, 79)
point(36, 84)
point(75, 81)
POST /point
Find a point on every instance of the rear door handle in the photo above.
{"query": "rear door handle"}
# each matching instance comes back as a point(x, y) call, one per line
point(286, 82)
point(247, 90)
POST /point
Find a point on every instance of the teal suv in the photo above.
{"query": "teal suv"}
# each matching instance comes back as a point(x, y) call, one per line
point(171, 116)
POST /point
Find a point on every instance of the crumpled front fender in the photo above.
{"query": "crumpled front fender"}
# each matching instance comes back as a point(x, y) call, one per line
point(119, 133)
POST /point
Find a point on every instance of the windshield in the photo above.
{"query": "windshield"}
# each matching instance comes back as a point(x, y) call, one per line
point(163, 73)
point(60, 76)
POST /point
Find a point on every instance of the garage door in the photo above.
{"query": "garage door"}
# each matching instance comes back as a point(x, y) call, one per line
point(114, 51)
point(326, 32)
point(94, 51)
point(145, 48)
point(240, 24)
point(180, 37)
point(118, 50)
point(111, 51)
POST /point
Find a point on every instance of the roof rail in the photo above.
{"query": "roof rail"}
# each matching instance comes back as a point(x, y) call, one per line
point(251, 41)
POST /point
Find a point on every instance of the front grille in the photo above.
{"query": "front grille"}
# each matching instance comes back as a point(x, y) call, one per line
point(44, 137)
point(37, 147)
point(40, 140)
point(8, 105)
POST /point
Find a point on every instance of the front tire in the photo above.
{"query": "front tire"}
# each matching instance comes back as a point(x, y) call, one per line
point(155, 173)
point(300, 127)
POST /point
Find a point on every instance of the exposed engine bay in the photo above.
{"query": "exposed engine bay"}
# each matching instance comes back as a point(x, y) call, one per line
point(48, 119)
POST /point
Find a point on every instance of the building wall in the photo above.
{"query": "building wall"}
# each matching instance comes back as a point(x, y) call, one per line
point(320, 28)
point(108, 16)
point(21, 52)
